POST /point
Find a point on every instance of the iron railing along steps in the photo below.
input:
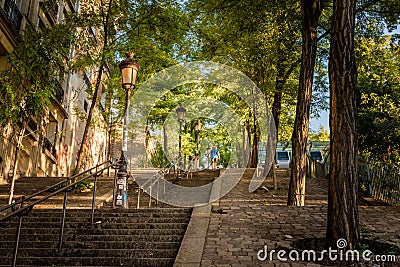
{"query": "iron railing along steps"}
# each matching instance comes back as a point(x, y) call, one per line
point(77, 198)
point(149, 237)
point(88, 236)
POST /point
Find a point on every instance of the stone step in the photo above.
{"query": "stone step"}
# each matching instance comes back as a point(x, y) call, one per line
point(127, 252)
point(95, 261)
point(93, 238)
point(105, 226)
point(93, 244)
point(55, 221)
point(114, 213)
point(100, 225)
point(120, 232)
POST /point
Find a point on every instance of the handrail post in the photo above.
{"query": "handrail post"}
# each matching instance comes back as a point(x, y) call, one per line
point(115, 188)
point(158, 188)
point(60, 239)
point(18, 234)
point(151, 186)
point(94, 198)
point(138, 199)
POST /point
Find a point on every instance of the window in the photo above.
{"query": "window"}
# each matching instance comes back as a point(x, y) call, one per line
point(85, 105)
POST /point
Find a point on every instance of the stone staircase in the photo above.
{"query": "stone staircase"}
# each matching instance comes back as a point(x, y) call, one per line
point(131, 237)
point(144, 237)
point(170, 195)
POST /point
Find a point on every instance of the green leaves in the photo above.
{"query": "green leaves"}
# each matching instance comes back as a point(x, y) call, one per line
point(379, 87)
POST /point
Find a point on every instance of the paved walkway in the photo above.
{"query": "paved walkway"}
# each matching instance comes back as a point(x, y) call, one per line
point(242, 223)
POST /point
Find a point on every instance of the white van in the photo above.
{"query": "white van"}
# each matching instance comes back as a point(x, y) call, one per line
point(283, 158)
point(317, 155)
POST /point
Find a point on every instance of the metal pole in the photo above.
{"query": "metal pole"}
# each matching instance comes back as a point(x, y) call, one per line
point(122, 190)
point(18, 234)
point(60, 239)
point(180, 150)
point(197, 156)
point(94, 198)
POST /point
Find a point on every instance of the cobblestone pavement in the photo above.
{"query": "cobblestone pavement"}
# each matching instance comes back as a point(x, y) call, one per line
point(242, 223)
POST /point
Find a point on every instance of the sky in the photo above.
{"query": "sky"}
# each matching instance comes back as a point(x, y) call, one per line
point(322, 120)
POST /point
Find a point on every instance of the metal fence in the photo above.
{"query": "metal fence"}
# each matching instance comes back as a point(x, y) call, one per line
point(318, 169)
point(381, 182)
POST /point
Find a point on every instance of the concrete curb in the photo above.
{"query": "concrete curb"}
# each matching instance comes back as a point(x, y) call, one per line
point(191, 250)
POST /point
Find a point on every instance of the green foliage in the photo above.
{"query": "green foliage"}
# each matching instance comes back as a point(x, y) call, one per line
point(158, 158)
point(257, 37)
point(85, 185)
point(378, 84)
point(35, 67)
point(321, 136)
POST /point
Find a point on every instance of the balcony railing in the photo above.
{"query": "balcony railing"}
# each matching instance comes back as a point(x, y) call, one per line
point(13, 14)
point(49, 146)
point(58, 92)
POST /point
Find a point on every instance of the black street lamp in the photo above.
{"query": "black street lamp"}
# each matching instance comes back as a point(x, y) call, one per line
point(180, 113)
point(198, 129)
point(129, 69)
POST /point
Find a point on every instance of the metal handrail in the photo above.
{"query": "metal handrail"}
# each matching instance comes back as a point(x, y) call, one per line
point(12, 205)
point(149, 184)
point(67, 185)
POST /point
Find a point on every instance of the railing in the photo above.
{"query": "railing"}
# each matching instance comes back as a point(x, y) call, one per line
point(155, 182)
point(13, 14)
point(50, 11)
point(58, 92)
point(20, 209)
point(49, 146)
point(318, 169)
point(381, 182)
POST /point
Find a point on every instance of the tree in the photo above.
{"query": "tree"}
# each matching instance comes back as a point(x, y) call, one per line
point(311, 13)
point(97, 88)
point(27, 87)
point(321, 136)
point(261, 39)
point(150, 29)
point(378, 84)
point(343, 219)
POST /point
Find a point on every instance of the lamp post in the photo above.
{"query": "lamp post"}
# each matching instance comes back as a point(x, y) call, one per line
point(198, 129)
point(180, 113)
point(208, 156)
point(129, 69)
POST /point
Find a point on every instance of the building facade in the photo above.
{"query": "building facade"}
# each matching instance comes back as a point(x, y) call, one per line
point(51, 141)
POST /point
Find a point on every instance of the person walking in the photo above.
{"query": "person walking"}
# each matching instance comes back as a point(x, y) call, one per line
point(214, 157)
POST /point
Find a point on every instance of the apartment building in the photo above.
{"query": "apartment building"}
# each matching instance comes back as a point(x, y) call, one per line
point(51, 142)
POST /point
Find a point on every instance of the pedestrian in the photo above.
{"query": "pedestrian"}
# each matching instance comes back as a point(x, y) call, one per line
point(214, 157)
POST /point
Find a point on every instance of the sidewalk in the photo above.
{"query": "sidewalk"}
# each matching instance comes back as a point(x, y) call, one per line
point(241, 223)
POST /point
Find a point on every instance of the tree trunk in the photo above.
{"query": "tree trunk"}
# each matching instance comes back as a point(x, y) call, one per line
point(165, 140)
point(311, 13)
point(15, 165)
point(254, 147)
point(343, 219)
point(279, 83)
point(96, 95)
point(95, 98)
